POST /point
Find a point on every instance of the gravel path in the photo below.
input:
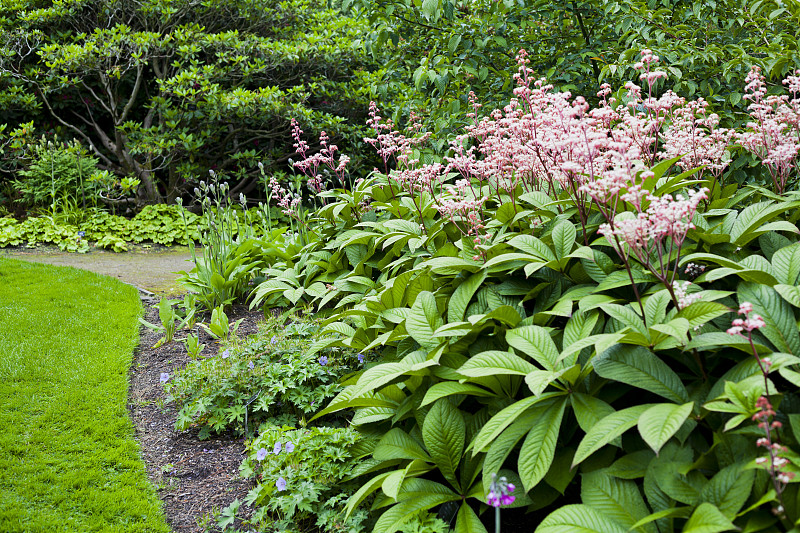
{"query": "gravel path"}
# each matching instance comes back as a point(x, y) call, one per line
point(153, 269)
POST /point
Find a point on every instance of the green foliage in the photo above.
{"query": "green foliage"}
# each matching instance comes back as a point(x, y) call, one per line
point(161, 91)
point(159, 224)
point(269, 377)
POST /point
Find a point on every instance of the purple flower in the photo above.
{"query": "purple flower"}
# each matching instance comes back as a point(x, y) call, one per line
point(164, 377)
point(274, 339)
point(226, 354)
point(261, 454)
point(277, 449)
point(323, 360)
point(289, 447)
point(280, 484)
point(251, 365)
point(81, 234)
point(361, 358)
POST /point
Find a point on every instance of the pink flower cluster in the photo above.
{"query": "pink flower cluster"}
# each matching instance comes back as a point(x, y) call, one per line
point(774, 129)
point(774, 462)
point(657, 231)
point(390, 143)
point(326, 158)
point(749, 323)
point(681, 288)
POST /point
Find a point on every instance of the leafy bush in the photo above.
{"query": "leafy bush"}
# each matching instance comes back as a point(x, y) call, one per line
point(564, 275)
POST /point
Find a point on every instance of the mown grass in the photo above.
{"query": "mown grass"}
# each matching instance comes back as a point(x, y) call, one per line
point(68, 459)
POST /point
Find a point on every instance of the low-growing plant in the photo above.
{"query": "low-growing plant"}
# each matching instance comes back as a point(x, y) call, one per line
point(193, 346)
point(266, 377)
point(219, 327)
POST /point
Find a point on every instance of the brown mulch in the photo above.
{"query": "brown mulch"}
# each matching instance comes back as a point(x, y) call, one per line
point(194, 478)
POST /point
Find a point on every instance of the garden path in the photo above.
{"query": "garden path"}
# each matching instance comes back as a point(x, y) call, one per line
point(153, 269)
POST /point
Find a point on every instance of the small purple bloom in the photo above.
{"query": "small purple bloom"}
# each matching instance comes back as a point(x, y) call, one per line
point(289, 447)
point(361, 358)
point(280, 484)
point(81, 234)
point(323, 360)
point(261, 454)
point(226, 354)
point(251, 365)
point(277, 449)
point(274, 339)
point(164, 377)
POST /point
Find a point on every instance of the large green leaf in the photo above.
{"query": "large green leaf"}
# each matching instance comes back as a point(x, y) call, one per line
point(535, 342)
point(424, 319)
point(617, 499)
point(443, 433)
point(397, 444)
point(729, 489)
point(539, 447)
point(589, 410)
point(639, 367)
point(503, 419)
point(708, 519)
point(467, 521)
point(564, 235)
point(578, 519)
point(450, 388)
point(659, 423)
point(416, 495)
point(786, 264)
point(495, 362)
point(459, 301)
point(608, 429)
point(781, 327)
point(504, 444)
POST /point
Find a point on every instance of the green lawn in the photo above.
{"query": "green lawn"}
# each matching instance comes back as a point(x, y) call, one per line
point(68, 458)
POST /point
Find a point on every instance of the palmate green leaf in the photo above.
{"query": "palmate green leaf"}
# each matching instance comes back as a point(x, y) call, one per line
point(564, 235)
point(639, 367)
point(589, 410)
point(397, 444)
point(617, 499)
point(729, 489)
point(781, 327)
point(539, 447)
point(608, 429)
point(495, 362)
point(443, 433)
point(450, 388)
point(578, 519)
point(786, 264)
point(708, 519)
point(424, 319)
point(504, 418)
point(459, 301)
point(659, 423)
point(416, 495)
point(467, 521)
point(535, 342)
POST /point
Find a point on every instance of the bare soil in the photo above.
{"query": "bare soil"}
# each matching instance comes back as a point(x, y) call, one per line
point(194, 478)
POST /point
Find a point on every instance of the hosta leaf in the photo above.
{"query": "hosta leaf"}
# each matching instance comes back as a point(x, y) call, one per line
point(495, 362)
point(639, 367)
point(781, 327)
point(450, 388)
point(608, 429)
point(539, 447)
point(578, 519)
point(467, 521)
point(443, 433)
point(424, 319)
point(459, 301)
point(707, 519)
point(616, 499)
point(659, 423)
point(729, 489)
point(535, 342)
point(564, 235)
point(503, 419)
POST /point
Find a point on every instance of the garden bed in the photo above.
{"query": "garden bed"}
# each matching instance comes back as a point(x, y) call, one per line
point(194, 478)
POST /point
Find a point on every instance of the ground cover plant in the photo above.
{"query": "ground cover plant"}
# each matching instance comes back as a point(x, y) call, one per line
point(70, 461)
point(574, 298)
